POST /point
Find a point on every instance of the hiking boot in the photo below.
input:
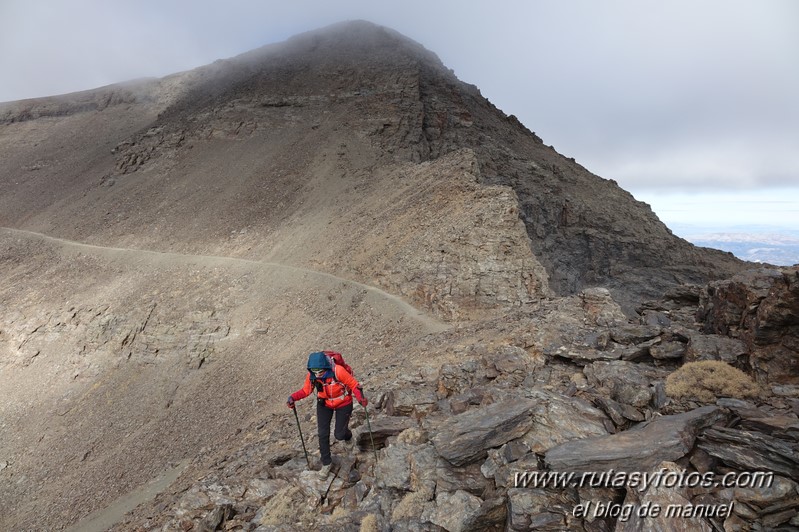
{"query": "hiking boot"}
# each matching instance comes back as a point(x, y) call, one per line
point(325, 471)
point(346, 446)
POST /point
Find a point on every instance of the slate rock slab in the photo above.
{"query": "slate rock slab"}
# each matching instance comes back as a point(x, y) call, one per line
point(752, 451)
point(382, 429)
point(625, 381)
point(558, 418)
point(466, 437)
point(666, 438)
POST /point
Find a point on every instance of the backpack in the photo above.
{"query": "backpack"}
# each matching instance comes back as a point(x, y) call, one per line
point(335, 359)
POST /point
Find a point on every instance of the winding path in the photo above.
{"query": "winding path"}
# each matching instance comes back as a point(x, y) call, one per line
point(162, 257)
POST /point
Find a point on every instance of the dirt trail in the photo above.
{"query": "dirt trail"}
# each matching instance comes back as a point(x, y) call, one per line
point(105, 518)
point(246, 288)
point(162, 258)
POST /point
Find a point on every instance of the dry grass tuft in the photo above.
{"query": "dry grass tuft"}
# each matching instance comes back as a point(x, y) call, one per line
point(412, 436)
point(411, 506)
point(369, 524)
point(707, 380)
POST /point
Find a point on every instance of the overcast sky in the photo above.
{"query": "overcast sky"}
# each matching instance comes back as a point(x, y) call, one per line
point(665, 97)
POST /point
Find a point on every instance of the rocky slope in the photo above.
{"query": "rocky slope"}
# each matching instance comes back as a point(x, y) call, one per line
point(172, 249)
point(268, 139)
point(570, 387)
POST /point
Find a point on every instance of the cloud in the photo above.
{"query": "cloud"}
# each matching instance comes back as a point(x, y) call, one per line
point(649, 93)
point(776, 208)
point(699, 162)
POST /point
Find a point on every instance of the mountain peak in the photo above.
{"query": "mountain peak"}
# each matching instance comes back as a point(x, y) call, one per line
point(369, 97)
point(358, 34)
point(338, 45)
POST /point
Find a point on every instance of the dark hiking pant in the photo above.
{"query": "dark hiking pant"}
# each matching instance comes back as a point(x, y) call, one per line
point(324, 416)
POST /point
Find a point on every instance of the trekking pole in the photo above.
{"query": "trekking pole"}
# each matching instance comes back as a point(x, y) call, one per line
point(322, 500)
point(301, 438)
point(371, 438)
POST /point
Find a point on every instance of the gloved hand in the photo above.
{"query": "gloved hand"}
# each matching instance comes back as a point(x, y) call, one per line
point(358, 393)
point(290, 402)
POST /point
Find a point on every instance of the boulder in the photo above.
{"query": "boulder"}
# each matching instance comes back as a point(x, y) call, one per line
point(667, 350)
point(515, 474)
point(314, 487)
point(509, 365)
point(410, 399)
point(778, 489)
point(354, 495)
point(634, 334)
point(666, 438)
point(463, 512)
point(216, 518)
point(637, 518)
point(558, 418)
point(193, 499)
point(538, 509)
point(626, 342)
point(393, 469)
point(761, 308)
point(749, 450)
point(621, 414)
point(585, 355)
point(466, 437)
point(513, 451)
point(423, 461)
point(600, 308)
point(468, 478)
point(258, 488)
point(789, 390)
point(624, 381)
point(457, 378)
point(780, 424)
point(382, 429)
point(493, 462)
point(725, 305)
point(715, 347)
point(655, 318)
point(509, 359)
point(684, 294)
point(637, 351)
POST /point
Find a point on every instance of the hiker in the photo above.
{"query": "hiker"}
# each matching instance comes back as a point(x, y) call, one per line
point(335, 387)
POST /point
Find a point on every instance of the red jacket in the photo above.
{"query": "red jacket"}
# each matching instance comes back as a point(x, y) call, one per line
point(336, 393)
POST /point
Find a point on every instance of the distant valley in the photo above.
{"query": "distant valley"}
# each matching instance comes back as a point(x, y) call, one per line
point(778, 246)
point(756, 225)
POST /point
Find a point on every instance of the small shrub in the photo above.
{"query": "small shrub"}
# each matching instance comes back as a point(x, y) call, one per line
point(707, 380)
point(412, 436)
point(411, 506)
point(369, 524)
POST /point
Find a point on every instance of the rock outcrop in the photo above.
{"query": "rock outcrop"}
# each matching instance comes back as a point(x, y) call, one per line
point(543, 453)
point(667, 438)
point(172, 249)
point(759, 308)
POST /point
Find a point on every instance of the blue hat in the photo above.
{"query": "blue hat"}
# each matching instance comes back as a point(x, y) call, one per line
point(318, 360)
